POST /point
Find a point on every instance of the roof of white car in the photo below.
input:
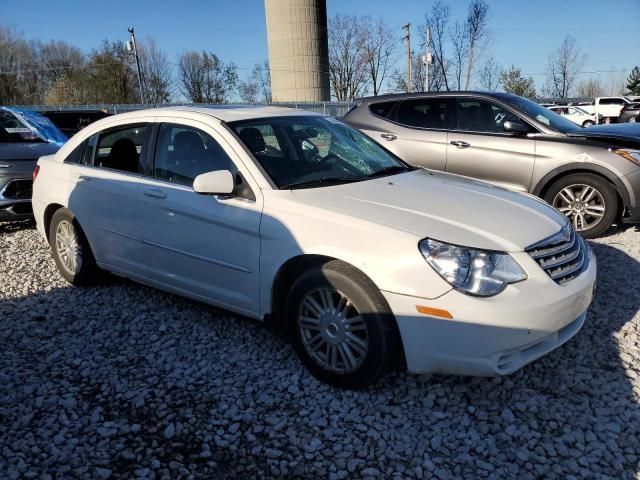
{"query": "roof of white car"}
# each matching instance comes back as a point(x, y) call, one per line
point(235, 113)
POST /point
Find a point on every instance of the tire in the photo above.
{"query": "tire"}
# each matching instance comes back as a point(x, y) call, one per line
point(632, 119)
point(598, 213)
point(340, 285)
point(66, 237)
point(587, 123)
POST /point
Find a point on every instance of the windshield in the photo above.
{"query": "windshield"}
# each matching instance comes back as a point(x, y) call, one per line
point(21, 126)
point(313, 151)
point(541, 114)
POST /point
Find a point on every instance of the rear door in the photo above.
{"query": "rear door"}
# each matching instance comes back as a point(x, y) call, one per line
point(480, 148)
point(103, 195)
point(415, 130)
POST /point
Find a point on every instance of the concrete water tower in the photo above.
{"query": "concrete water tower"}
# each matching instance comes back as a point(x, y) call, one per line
point(298, 50)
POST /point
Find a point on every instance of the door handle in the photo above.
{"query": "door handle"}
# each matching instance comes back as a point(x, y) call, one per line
point(460, 143)
point(388, 136)
point(155, 193)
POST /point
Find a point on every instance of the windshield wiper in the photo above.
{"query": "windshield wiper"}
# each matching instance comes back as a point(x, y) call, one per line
point(390, 171)
point(319, 182)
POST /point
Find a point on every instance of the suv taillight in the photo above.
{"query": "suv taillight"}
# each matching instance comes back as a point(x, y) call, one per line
point(35, 172)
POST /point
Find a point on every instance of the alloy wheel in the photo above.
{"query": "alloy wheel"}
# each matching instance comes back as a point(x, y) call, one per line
point(332, 330)
point(68, 247)
point(583, 204)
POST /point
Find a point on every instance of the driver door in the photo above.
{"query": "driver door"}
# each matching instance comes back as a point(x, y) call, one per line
point(480, 148)
point(203, 245)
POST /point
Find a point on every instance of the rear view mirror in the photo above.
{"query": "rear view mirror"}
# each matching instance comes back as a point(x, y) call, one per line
point(218, 182)
point(515, 127)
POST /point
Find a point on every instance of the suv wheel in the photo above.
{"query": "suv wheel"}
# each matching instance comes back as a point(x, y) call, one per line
point(342, 328)
point(71, 250)
point(589, 201)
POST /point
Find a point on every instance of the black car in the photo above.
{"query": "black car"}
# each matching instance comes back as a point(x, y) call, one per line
point(24, 137)
point(629, 113)
point(71, 122)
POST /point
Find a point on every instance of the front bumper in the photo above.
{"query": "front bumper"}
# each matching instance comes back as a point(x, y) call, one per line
point(496, 335)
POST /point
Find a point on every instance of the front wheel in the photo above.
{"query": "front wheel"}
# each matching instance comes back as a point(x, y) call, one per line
point(588, 123)
point(589, 201)
point(632, 119)
point(342, 328)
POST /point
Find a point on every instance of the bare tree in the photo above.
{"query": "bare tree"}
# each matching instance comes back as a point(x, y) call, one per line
point(438, 20)
point(59, 59)
point(489, 75)
point(460, 50)
point(156, 72)
point(111, 77)
point(347, 57)
point(476, 31)
point(563, 67)
point(257, 87)
point(19, 82)
point(205, 79)
point(590, 88)
point(380, 51)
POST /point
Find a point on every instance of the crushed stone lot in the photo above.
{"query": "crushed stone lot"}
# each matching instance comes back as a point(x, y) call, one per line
point(124, 381)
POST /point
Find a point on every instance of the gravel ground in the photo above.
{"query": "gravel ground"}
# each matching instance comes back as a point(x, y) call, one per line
point(123, 381)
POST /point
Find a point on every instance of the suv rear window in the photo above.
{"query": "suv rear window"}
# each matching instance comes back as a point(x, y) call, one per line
point(424, 113)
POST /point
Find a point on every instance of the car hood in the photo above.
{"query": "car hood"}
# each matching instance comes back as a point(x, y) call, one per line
point(444, 207)
point(614, 132)
point(26, 151)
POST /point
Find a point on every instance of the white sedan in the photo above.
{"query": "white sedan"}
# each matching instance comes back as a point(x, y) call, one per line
point(576, 114)
point(299, 220)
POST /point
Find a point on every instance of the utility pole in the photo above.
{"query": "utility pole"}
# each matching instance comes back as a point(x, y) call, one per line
point(131, 47)
point(426, 59)
point(407, 27)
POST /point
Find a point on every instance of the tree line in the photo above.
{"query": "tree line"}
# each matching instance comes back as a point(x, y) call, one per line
point(364, 58)
point(56, 73)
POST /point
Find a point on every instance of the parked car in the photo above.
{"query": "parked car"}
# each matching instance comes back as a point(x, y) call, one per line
point(592, 177)
point(608, 107)
point(630, 113)
point(24, 137)
point(577, 115)
point(71, 122)
point(300, 220)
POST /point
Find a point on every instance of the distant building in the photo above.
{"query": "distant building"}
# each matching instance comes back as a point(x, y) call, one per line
point(298, 50)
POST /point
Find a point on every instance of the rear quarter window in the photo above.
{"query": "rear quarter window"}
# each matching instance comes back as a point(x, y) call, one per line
point(382, 109)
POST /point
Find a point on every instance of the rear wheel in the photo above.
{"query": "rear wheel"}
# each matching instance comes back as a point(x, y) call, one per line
point(71, 250)
point(342, 328)
point(589, 201)
point(587, 123)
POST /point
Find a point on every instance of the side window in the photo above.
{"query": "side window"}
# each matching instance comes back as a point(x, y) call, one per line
point(382, 109)
point(183, 153)
point(121, 149)
point(76, 154)
point(482, 116)
point(424, 113)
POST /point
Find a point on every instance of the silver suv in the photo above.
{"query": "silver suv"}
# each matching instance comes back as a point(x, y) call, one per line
point(590, 175)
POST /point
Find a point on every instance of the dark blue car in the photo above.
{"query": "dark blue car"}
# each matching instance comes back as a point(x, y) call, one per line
point(24, 137)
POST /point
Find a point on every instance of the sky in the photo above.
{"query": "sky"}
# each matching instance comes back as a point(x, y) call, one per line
point(523, 33)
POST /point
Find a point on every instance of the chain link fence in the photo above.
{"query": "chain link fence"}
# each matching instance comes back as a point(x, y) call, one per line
point(334, 109)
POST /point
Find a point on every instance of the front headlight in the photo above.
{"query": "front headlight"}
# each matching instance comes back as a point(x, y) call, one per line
point(471, 271)
point(628, 154)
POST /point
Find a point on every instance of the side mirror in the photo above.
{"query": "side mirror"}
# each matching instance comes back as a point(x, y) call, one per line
point(515, 127)
point(218, 182)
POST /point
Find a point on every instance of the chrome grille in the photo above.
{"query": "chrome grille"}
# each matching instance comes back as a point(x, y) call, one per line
point(563, 256)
